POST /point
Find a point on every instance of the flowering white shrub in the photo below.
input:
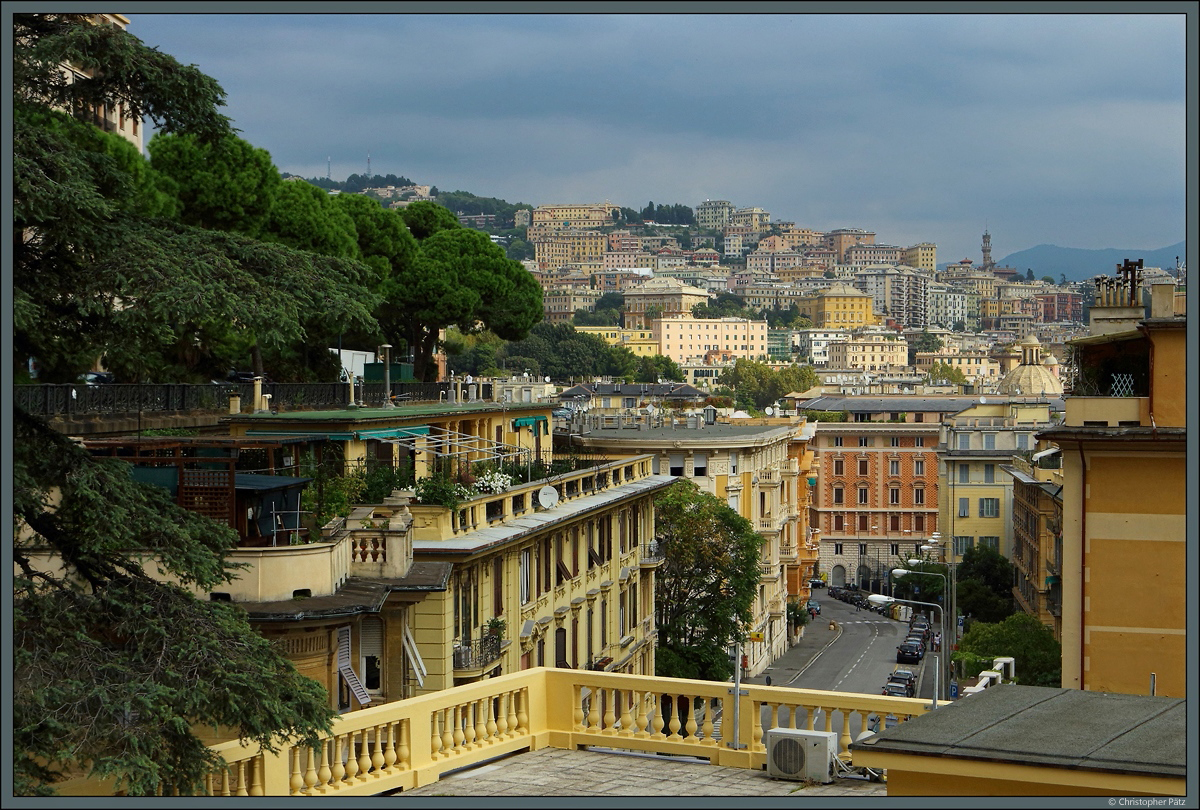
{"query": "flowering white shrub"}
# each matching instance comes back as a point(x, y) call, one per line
point(493, 482)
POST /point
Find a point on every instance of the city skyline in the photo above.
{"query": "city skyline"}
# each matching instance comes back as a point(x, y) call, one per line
point(926, 128)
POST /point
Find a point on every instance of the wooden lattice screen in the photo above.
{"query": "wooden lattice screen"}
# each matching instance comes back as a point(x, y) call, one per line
point(209, 493)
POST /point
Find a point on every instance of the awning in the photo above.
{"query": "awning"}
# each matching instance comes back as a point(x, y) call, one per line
point(528, 420)
point(418, 666)
point(394, 433)
point(339, 436)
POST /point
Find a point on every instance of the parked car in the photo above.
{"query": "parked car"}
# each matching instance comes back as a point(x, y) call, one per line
point(97, 377)
point(908, 653)
point(813, 604)
point(905, 677)
point(562, 413)
point(895, 689)
point(816, 583)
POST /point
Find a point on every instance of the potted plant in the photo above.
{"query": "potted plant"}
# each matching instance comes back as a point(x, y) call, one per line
point(495, 627)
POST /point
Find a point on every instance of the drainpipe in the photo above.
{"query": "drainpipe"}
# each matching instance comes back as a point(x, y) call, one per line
point(1082, 549)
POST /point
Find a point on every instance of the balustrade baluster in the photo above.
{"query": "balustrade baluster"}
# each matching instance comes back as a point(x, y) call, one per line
point(658, 721)
point(389, 753)
point(610, 712)
point(297, 781)
point(578, 689)
point(377, 756)
point(522, 715)
point(502, 715)
point(323, 772)
point(310, 773)
point(829, 718)
point(241, 779)
point(844, 740)
point(339, 767)
point(812, 717)
point(675, 724)
point(458, 737)
point(364, 757)
point(594, 710)
point(626, 712)
point(256, 775)
point(351, 758)
point(436, 719)
point(493, 728)
point(706, 725)
point(756, 731)
point(481, 723)
point(691, 720)
point(643, 717)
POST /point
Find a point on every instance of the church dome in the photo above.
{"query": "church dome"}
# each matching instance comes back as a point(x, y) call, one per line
point(1031, 378)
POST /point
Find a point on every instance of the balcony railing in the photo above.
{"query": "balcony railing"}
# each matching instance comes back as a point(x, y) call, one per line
point(477, 653)
point(410, 743)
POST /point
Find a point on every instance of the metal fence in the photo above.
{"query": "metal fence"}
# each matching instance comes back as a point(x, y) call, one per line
point(119, 398)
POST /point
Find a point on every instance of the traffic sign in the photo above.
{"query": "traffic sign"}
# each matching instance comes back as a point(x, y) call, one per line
point(756, 636)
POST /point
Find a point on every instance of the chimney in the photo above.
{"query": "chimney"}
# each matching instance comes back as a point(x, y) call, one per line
point(1162, 300)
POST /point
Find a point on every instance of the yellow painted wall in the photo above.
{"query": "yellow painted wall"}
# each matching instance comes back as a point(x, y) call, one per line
point(1169, 385)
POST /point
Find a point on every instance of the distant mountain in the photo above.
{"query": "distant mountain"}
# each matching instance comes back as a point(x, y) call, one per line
point(1078, 264)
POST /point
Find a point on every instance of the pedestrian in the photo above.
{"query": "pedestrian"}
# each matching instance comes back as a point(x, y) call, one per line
point(937, 642)
point(857, 607)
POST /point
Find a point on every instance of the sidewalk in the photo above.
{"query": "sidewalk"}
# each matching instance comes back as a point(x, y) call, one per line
point(788, 667)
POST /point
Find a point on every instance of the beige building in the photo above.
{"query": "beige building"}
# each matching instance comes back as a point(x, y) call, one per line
point(756, 219)
point(559, 304)
point(580, 215)
point(713, 214)
point(568, 246)
point(840, 306)
point(762, 469)
point(843, 238)
point(662, 297)
point(922, 256)
point(869, 353)
point(1037, 547)
point(641, 342)
point(687, 339)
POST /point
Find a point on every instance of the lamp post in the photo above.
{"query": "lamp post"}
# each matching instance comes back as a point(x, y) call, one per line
point(880, 599)
point(900, 572)
point(935, 544)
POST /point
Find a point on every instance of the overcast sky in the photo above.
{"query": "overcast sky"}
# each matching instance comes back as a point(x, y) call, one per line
point(1059, 129)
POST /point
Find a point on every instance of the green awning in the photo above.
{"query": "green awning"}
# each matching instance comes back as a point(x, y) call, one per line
point(336, 436)
point(394, 433)
point(528, 420)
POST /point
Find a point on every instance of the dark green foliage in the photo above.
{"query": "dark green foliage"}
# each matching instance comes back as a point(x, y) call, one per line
point(944, 372)
point(923, 342)
point(463, 202)
point(668, 214)
point(112, 668)
point(425, 218)
point(658, 367)
point(706, 586)
point(985, 579)
point(560, 352)
point(1038, 656)
point(758, 385)
point(306, 218)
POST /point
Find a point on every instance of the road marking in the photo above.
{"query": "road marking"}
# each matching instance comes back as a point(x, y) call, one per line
point(874, 636)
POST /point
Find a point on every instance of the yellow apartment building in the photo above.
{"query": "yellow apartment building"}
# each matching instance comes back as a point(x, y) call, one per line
point(869, 353)
point(763, 469)
point(579, 215)
point(838, 307)
point(641, 342)
point(559, 304)
point(1037, 547)
point(922, 256)
point(1124, 462)
point(568, 246)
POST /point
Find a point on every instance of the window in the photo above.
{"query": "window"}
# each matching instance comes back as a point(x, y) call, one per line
point(676, 464)
point(866, 441)
point(989, 507)
point(862, 495)
point(990, 542)
point(894, 498)
point(837, 441)
point(964, 507)
point(894, 468)
point(895, 441)
point(862, 549)
point(964, 441)
point(839, 523)
point(630, 402)
point(700, 465)
point(964, 473)
point(989, 473)
point(862, 466)
point(989, 441)
point(894, 522)
point(920, 440)
point(1022, 441)
point(918, 466)
point(961, 544)
point(838, 496)
point(918, 525)
point(733, 463)
point(526, 557)
point(919, 417)
point(370, 640)
point(895, 549)
point(918, 497)
point(837, 549)
point(735, 502)
point(839, 467)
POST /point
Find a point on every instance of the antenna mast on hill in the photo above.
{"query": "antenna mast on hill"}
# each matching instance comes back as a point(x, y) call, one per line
point(329, 167)
point(368, 165)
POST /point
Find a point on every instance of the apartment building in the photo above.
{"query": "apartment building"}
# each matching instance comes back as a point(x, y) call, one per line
point(922, 256)
point(814, 343)
point(584, 215)
point(756, 219)
point(761, 469)
point(687, 339)
point(713, 214)
point(1037, 548)
point(839, 306)
point(1060, 307)
point(876, 501)
point(898, 292)
point(839, 240)
point(559, 304)
point(641, 342)
point(862, 255)
point(662, 297)
point(979, 368)
point(977, 506)
point(1125, 507)
point(760, 296)
point(619, 279)
point(568, 246)
point(869, 352)
point(947, 306)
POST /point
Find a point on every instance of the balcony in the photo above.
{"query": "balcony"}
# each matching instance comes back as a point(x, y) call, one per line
point(411, 743)
point(476, 655)
point(1107, 411)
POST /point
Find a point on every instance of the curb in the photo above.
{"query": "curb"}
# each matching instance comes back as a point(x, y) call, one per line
point(818, 654)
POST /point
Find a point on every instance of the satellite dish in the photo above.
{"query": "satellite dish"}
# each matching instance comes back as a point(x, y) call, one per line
point(547, 379)
point(983, 400)
point(769, 410)
point(547, 497)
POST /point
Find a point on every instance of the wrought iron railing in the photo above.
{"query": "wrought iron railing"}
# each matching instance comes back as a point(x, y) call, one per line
point(121, 398)
point(477, 653)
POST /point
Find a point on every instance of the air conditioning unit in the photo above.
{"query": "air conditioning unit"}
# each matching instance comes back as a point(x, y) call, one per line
point(799, 754)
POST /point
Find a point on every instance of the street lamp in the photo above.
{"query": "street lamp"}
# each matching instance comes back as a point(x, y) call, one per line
point(879, 599)
point(935, 544)
point(900, 572)
point(387, 375)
